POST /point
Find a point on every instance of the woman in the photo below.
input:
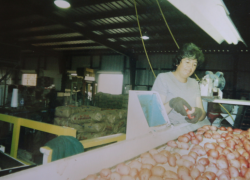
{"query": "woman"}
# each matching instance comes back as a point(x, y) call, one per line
point(177, 90)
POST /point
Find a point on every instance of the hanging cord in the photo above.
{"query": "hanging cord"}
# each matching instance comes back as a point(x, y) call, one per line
point(167, 24)
point(143, 41)
point(219, 103)
point(170, 29)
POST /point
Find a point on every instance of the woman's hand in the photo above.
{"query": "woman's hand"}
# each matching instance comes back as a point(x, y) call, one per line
point(178, 105)
point(197, 114)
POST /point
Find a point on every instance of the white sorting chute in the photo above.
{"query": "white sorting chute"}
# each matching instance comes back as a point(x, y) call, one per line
point(146, 113)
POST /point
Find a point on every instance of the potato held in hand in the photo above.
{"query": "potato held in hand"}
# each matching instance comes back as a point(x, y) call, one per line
point(189, 112)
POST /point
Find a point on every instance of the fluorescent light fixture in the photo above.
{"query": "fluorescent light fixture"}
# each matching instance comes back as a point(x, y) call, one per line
point(73, 74)
point(62, 4)
point(212, 16)
point(145, 37)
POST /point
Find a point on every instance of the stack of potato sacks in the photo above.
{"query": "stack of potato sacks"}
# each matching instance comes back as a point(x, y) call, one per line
point(91, 122)
point(111, 101)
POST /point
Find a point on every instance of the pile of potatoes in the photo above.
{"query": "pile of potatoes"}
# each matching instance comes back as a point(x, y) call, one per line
point(209, 153)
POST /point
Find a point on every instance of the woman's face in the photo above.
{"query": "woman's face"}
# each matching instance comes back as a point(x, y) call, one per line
point(186, 67)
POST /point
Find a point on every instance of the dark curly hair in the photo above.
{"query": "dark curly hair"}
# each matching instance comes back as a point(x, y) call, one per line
point(188, 50)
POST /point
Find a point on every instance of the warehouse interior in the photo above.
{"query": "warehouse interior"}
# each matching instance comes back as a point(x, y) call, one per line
point(59, 57)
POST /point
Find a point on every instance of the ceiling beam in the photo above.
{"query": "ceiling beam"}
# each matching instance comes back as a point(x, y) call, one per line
point(55, 40)
point(122, 13)
point(70, 24)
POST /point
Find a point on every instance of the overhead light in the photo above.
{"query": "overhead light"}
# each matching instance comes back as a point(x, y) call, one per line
point(212, 16)
point(145, 35)
point(62, 4)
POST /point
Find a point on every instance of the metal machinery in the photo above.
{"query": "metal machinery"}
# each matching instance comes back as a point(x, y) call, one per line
point(211, 87)
point(142, 135)
point(9, 164)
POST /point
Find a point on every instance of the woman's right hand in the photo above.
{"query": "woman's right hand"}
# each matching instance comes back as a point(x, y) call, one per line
point(178, 105)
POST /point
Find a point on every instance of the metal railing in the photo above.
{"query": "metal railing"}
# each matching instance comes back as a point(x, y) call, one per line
point(18, 122)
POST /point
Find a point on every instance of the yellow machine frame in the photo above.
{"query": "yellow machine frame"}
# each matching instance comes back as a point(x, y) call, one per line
point(18, 122)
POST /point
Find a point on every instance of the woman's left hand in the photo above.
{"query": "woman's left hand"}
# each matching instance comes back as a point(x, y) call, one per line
point(197, 114)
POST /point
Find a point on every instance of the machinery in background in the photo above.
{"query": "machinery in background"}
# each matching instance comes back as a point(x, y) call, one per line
point(211, 87)
point(80, 87)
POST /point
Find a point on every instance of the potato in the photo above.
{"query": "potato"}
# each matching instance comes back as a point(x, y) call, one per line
point(194, 173)
point(153, 152)
point(204, 161)
point(190, 158)
point(199, 137)
point(208, 146)
point(216, 136)
point(146, 155)
point(135, 164)
point(247, 174)
point(133, 172)
point(183, 145)
point(188, 164)
point(160, 158)
point(147, 166)
point(155, 178)
point(230, 156)
point(177, 155)
point(183, 172)
point(127, 177)
point(158, 171)
point(122, 169)
point(188, 136)
point(233, 171)
point(234, 163)
point(105, 173)
point(183, 139)
point(243, 171)
point(198, 150)
point(211, 169)
point(238, 178)
point(115, 176)
point(202, 178)
point(191, 133)
point(219, 149)
point(200, 167)
point(148, 160)
point(222, 163)
point(224, 176)
point(193, 154)
point(91, 177)
point(145, 174)
point(245, 155)
point(172, 144)
point(208, 135)
point(172, 160)
point(195, 141)
point(244, 163)
point(222, 171)
point(213, 153)
point(209, 175)
point(170, 174)
point(165, 152)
